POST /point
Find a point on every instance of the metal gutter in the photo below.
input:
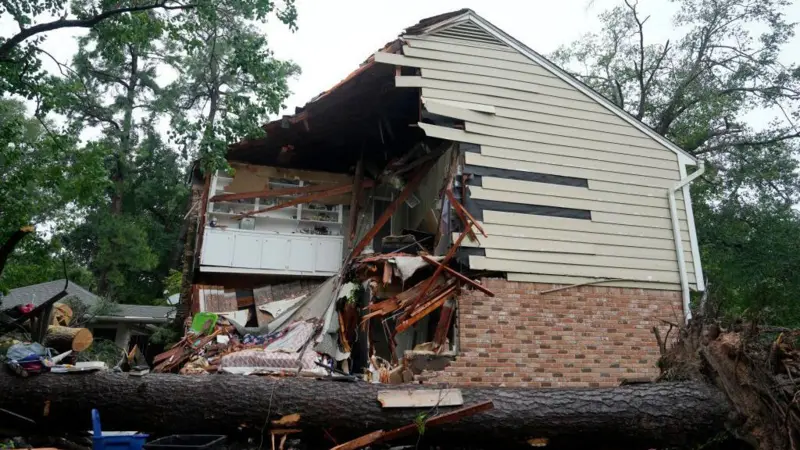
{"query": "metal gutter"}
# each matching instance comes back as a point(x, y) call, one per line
point(676, 233)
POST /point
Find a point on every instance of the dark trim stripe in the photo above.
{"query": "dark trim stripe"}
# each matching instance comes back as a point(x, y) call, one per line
point(480, 171)
point(476, 208)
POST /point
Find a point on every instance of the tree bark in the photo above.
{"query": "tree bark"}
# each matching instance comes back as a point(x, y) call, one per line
point(640, 416)
point(8, 247)
point(65, 338)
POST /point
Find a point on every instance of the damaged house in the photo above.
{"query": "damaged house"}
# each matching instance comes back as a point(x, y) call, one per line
point(458, 209)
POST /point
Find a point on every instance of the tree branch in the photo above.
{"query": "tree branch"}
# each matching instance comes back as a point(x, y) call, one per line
point(25, 33)
point(639, 67)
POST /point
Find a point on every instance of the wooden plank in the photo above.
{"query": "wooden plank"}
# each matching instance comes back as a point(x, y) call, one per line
point(420, 314)
point(360, 442)
point(443, 327)
point(441, 419)
point(460, 276)
point(464, 211)
point(439, 269)
point(411, 186)
point(420, 398)
point(355, 200)
point(340, 189)
point(269, 193)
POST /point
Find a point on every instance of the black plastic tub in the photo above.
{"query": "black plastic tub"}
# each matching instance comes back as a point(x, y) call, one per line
point(187, 442)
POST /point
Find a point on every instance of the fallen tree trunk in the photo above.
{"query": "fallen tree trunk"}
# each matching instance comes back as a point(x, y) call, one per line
point(65, 338)
point(640, 416)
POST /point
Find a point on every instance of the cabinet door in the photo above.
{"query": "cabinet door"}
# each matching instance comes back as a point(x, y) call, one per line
point(275, 253)
point(217, 248)
point(247, 251)
point(301, 255)
point(329, 255)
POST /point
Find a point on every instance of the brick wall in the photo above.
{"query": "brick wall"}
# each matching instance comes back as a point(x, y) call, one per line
point(589, 336)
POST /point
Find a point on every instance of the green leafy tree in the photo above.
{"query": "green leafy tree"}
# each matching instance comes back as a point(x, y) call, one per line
point(701, 88)
point(45, 179)
point(229, 80)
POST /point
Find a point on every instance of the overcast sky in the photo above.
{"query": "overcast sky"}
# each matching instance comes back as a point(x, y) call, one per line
point(335, 36)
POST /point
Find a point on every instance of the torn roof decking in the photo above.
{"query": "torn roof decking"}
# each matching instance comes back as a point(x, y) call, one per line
point(363, 112)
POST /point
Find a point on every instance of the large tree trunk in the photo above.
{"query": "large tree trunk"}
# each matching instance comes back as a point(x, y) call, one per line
point(641, 416)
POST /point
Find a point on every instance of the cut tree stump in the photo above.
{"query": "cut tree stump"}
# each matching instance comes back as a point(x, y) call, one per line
point(65, 338)
point(657, 415)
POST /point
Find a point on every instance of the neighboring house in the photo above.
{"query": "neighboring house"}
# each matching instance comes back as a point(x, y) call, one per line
point(591, 237)
point(116, 322)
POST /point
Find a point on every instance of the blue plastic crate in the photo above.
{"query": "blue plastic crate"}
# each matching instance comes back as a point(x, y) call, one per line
point(102, 441)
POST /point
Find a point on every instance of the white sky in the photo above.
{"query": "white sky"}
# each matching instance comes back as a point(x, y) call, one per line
point(335, 36)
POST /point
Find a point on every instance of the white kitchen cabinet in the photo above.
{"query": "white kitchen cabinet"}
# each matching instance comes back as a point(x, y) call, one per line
point(329, 255)
point(275, 253)
point(301, 255)
point(217, 248)
point(247, 251)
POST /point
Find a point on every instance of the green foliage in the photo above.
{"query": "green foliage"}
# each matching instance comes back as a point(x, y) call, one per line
point(115, 199)
point(167, 334)
point(173, 282)
point(102, 350)
point(700, 88)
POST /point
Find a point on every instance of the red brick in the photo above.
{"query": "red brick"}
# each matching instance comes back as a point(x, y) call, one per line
point(598, 335)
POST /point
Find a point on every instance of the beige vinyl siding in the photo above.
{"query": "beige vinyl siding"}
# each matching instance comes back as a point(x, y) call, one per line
point(481, 193)
point(506, 160)
point(517, 108)
point(524, 118)
point(561, 280)
point(549, 243)
point(556, 190)
point(593, 260)
point(505, 265)
point(586, 228)
point(452, 41)
point(500, 92)
point(596, 133)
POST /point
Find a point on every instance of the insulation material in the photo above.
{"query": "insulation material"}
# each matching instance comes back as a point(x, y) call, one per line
point(241, 317)
point(261, 361)
point(408, 265)
point(277, 292)
point(279, 307)
point(291, 342)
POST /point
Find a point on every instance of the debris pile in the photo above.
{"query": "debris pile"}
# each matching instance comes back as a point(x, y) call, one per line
point(213, 344)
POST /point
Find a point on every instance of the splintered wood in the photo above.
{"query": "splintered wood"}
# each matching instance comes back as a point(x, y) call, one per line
point(379, 436)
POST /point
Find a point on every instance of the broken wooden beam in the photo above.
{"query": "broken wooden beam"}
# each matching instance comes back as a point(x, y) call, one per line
point(270, 193)
point(330, 192)
point(459, 275)
point(411, 186)
point(360, 442)
point(443, 327)
point(420, 313)
point(441, 419)
point(419, 398)
point(355, 199)
point(438, 271)
point(464, 211)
